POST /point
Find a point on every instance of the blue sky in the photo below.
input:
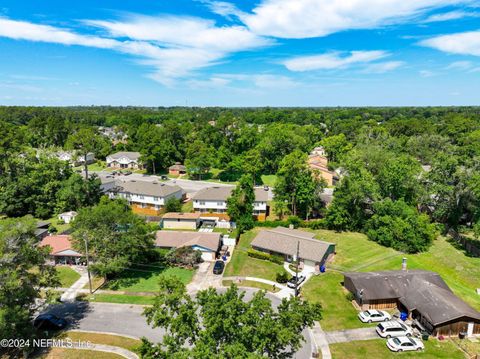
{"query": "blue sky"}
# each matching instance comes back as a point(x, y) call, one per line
point(240, 53)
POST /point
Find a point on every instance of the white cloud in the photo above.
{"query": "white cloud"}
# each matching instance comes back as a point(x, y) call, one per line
point(315, 18)
point(463, 43)
point(383, 67)
point(460, 65)
point(333, 60)
point(451, 15)
point(426, 73)
point(223, 8)
point(173, 46)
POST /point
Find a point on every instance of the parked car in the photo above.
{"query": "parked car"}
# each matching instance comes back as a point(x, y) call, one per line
point(401, 344)
point(294, 281)
point(218, 267)
point(393, 328)
point(373, 315)
point(163, 177)
point(266, 188)
point(49, 321)
point(127, 173)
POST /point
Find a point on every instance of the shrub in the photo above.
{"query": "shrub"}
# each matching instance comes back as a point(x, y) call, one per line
point(297, 222)
point(350, 296)
point(282, 277)
point(259, 255)
point(276, 258)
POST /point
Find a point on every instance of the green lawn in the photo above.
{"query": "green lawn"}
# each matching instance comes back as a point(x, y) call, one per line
point(187, 207)
point(59, 225)
point(269, 180)
point(107, 339)
point(356, 253)
point(118, 298)
point(65, 353)
point(377, 349)
point(252, 284)
point(67, 276)
point(243, 265)
point(146, 279)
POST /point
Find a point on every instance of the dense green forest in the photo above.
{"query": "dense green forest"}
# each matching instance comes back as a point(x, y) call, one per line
point(400, 169)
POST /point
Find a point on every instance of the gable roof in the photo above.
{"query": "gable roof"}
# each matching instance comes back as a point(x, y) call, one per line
point(177, 239)
point(178, 167)
point(419, 290)
point(157, 189)
point(284, 240)
point(133, 156)
point(59, 243)
point(222, 193)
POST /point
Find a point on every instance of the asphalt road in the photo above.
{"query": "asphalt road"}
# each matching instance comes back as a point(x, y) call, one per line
point(128, 320)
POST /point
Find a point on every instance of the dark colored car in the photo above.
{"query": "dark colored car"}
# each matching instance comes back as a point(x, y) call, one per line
point(218, 267)
point(163, 177)
point(49, 321)
point(127, 173)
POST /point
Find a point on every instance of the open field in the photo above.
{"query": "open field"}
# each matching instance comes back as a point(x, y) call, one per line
point(243, 265)
point(377, 349)
point(67, 276)
point(269, 180)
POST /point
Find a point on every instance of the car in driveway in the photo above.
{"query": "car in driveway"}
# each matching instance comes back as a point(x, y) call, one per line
point(373, 315)
point(49, 322)
point(294, 281)
point(401, 344)
point(392, 329)
point(218, 267)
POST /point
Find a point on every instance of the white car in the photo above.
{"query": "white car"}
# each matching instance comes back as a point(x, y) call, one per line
point(373, 315)
point(293, 281)
point(401, 344)
point(393, 328)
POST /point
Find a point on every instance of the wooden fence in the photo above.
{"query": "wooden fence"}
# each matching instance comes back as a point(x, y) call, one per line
point(471, 246)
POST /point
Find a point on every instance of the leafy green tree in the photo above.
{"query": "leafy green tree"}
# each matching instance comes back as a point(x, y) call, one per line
point(184, 256)
point(240, 204)
point(297, 185)
point(215, 325)
point(23, 275)
point(73, 193)
point(116, 237)
point(173, 204)
point(396, 224)
point(84, 141)
point(336, 146)
point(252, 163)
point(199, 159)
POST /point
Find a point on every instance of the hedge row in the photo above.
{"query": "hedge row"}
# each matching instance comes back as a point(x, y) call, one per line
point(316, 224)
point(265, 256)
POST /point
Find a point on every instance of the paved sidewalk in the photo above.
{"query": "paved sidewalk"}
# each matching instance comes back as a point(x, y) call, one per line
point(103, 348)
point(350, 335)
point(71, 293)
point(284, 292)
point(320, 341)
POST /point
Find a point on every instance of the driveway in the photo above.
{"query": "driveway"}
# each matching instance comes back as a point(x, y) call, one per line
point(128, 320)
point(350, 335)
point(204, 278)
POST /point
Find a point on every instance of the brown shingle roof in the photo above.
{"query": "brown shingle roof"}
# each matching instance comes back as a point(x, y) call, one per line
point(177, 215)
point(222, 193)
point(177, 239)
point(284, 240)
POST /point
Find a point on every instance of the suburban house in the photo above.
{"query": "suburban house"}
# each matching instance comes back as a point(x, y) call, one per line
point(313, 253)
point(208, 243)
point(123, 160)
point(67, 217)
point(145, 197)
point(422, 294)
point(41, 230)
point(176, 220)
point(61, 250)
point(214, 200)
point(177, 169)
point(74, 158)
point(318, 162)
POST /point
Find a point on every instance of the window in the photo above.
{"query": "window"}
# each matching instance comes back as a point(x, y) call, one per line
point(202, 203)
point(156, 199)
point(141, 197)
point(219, 203)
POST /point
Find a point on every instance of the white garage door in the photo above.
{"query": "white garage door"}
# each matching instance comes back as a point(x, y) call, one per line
point(207, 256)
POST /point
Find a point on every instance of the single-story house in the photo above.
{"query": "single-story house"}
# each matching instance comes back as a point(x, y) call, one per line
point(67, 217)
point(313, 253)
point(74, 158)
point(177, 169)
point(422, 294)
point(145, 197)
point(176, 220)
point(62, 251)
point(123, 160)
point(208, 243)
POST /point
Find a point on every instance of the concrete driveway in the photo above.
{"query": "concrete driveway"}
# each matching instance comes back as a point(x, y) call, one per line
point(350, 335)
point(204, 278)
point(128, 320)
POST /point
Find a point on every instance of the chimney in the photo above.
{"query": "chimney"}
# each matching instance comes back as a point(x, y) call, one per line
point(404, 263)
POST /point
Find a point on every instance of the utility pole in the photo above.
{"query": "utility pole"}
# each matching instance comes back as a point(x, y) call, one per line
point(296, 269)
point(88, 264)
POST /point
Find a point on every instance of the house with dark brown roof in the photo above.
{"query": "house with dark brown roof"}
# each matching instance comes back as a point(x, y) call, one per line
point(422, 294)
point(62, 251)
point(313, 253)
point(177, 169)
point(206, 242)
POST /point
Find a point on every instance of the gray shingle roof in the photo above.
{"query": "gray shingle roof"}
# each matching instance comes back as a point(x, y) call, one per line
point(130, 155)
point(221, 193)
point(177, 239)
point(156, 189)
point(284, 240)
